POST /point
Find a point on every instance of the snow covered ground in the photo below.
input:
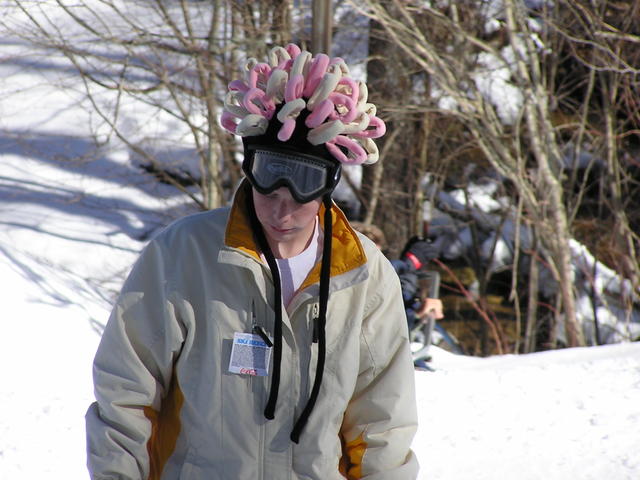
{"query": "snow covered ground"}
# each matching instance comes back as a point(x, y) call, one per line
point(570, 414)
point(71, 223)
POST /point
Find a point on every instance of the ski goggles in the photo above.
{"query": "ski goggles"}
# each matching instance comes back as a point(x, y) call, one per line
point(307, 177)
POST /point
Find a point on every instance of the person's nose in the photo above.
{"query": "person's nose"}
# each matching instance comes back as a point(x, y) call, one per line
point(285, 204)
point(284, 208)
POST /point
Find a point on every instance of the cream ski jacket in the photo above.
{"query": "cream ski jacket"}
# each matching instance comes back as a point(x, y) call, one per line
point(168, 407)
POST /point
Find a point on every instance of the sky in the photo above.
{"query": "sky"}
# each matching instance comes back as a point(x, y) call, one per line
point(73, 219)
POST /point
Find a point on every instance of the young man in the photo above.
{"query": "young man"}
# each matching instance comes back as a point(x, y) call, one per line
point(268, 339)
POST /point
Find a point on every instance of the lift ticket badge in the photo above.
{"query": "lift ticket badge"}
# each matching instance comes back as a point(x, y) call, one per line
point(249, 355)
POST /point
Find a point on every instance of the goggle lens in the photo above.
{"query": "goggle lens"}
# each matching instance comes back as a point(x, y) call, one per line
point(306, 177)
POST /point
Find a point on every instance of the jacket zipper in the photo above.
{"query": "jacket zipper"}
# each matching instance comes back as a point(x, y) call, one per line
point(257, 329)
point(314, 323)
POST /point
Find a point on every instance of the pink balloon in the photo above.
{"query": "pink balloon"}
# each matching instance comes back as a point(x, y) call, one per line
point(286, 130)
point(353, 86)
point(228, 121)
point(293, 50)
point(359, 154)
point(316, 71)
point(294, 88)
point(379, 128)
point(256, 96)
point(259, 70)
point(238, 86)
point(348, 103)
point(320, 113)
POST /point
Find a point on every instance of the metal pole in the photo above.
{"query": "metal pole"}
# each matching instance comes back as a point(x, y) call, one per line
point(321, 25)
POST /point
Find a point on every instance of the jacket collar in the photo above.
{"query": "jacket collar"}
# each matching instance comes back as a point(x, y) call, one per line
point(347, 252)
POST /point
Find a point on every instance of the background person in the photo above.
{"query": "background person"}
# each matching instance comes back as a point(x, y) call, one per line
point(416, 254)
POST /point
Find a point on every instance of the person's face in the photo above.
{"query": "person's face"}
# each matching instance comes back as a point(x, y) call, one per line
point(288, 225)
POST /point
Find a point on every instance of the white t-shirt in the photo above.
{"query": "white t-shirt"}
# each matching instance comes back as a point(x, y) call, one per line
point(294, 270)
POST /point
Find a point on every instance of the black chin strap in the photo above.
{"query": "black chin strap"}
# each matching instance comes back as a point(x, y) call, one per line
point(269, 411)
point(319, 330)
